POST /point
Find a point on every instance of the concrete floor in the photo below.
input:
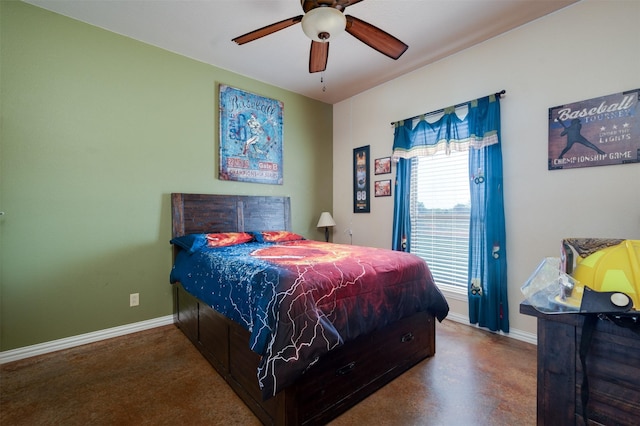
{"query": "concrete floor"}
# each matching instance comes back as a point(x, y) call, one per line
point(157, 377)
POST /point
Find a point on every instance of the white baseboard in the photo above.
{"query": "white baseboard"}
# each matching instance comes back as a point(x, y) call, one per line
point(82, 339)
point(515, 334)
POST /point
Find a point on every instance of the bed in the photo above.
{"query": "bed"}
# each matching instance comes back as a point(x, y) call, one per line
point(352, 360)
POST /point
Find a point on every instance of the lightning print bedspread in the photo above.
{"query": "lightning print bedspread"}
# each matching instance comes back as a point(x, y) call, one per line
point(301, 299)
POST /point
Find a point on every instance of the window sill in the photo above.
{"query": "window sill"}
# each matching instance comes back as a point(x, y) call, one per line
point(456, 293)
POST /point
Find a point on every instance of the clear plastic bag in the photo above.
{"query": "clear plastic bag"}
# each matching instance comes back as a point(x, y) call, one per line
point(551, 291)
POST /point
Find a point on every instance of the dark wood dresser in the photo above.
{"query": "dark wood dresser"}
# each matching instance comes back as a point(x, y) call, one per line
point(613, 366)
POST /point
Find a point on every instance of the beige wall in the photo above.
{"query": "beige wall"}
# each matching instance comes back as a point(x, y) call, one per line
point(581, 52)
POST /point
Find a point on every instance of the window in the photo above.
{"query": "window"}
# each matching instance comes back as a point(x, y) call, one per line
point(440, 214)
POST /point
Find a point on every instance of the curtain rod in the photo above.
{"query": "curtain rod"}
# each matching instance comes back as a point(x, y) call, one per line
point(497, 94)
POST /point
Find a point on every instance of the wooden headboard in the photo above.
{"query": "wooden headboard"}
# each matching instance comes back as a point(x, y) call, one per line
point(205, 213)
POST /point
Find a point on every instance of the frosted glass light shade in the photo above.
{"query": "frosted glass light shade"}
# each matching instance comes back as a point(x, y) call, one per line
point(323, 23)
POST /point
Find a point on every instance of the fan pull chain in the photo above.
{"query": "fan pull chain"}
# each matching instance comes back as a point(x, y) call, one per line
point(324, 87)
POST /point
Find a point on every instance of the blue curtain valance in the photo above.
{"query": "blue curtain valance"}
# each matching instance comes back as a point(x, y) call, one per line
point(477, 130)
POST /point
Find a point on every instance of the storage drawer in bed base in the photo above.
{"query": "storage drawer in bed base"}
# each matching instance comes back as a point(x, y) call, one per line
point(336, 383)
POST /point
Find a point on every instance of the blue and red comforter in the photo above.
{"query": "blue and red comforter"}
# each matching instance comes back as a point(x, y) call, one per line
point(300, 299)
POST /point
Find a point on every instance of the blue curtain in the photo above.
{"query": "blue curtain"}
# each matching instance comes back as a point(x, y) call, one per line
point(401, 237)
point(488, 306)
point(479, 132)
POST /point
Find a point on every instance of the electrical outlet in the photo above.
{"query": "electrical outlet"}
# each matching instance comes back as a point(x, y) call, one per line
point(134, 299)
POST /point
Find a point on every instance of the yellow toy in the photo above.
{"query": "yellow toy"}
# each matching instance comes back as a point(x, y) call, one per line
point(614, 268)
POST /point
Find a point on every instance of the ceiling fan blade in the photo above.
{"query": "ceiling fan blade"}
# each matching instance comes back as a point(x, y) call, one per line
point(269, 29)
point(318, 56)
point(374, 37)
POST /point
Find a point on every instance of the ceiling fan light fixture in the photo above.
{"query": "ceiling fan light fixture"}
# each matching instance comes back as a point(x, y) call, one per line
point(323, 24)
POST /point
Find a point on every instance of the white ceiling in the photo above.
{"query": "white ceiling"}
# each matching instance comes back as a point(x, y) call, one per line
point(203, 29)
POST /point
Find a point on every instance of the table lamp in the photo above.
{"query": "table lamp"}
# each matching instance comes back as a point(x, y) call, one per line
point(326, 221)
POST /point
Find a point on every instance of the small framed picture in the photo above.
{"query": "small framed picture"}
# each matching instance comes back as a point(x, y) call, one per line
point(361, 179)
point(382, 188)
point(382, 166)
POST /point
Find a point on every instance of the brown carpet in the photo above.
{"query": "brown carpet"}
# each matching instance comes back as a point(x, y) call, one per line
point(157, 377)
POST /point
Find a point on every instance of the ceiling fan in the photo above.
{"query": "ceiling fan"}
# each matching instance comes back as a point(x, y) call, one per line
point(324, 20)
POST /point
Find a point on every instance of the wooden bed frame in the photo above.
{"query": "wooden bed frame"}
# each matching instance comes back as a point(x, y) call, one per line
point(339, 380)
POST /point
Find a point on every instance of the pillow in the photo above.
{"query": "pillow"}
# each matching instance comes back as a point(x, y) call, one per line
point(276, 236)
point(228, 239)
point(190, 242)
point(194, 242)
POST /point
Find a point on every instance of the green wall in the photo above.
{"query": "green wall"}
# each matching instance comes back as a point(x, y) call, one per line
point(97, 131)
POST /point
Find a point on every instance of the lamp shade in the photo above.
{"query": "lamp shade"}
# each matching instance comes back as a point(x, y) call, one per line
point(323, 23)
point(326, 220)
